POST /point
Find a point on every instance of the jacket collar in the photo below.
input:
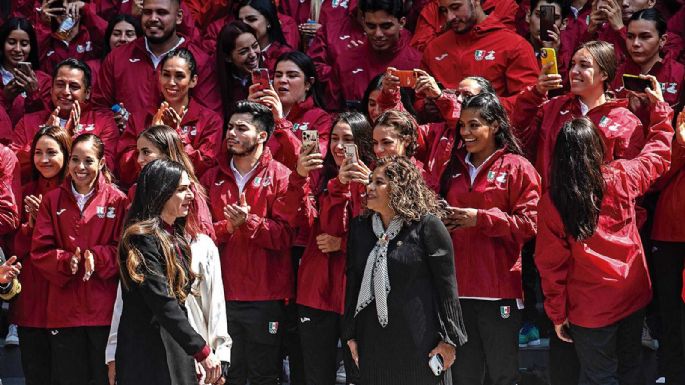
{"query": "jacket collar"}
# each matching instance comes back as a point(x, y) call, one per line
point(461, 155)
point(490, 24)
point(99, 186)
point(299, 109)
point(225, 161)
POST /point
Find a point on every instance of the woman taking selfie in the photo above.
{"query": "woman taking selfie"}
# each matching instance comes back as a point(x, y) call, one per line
point(588, 245)
point(492, 193)
point(402, 306)
point(24, 88)
point(156, 342)
point(198, 127)
point(50, 151)
point(74, 247)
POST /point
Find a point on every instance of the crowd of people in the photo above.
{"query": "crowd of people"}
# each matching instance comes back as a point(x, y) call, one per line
point(195, 191)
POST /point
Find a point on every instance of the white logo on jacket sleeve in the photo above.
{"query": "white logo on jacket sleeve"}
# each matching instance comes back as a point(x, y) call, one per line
point(219, 183)
point(358, 70)
point(564, 112)
point(59, 212)
point(49, 53)
point(441, 57)
point(344, 37)
point(132, 60)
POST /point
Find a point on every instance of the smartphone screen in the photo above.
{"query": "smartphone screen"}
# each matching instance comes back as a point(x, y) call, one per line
point(547, 15)
point(634, 83)
point(24, 67)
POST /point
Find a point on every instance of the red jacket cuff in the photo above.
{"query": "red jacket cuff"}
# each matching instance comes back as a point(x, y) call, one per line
point(202, 354)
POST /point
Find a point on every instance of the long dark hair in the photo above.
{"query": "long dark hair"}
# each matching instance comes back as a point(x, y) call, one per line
point(268, 9)
point(492, 111)
point(63, 139)
point(361, 132)
point(134, 21)
point(225, 45)
point(306, 65)
point(14, 24)
point(157, 183)
point(576, 182)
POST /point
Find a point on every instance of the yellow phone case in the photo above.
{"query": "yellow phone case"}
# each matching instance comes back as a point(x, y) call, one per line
point(548, 55)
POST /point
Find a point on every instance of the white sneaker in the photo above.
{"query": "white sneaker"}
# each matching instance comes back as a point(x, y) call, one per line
point(12, 336)
point(660, 380)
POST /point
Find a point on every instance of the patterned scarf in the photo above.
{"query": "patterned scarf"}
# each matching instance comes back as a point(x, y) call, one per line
point(376, 283)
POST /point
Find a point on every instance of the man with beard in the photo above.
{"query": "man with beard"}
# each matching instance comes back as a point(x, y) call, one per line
point(128, 73)
point(480, 45)
point(246, 198)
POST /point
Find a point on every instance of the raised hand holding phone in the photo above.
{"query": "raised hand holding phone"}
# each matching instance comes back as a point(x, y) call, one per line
point(309, 160)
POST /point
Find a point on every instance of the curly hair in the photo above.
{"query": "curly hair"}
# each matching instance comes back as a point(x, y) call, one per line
point(410, 197)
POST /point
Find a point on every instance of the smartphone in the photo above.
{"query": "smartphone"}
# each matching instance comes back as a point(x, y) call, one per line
point(310, 138)
point(548, 55)
point(261, 76)
point(407, 78)
point(351, 152)
point(634, 83)
point(436, 364)
point(547, 15)
point(24, 67)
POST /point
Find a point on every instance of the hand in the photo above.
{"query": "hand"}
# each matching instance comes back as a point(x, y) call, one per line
point(680, 128)
point(89, 263)
point(354, 172)
point(555, 35)
point(212, 367)
point(597, 18)
point(28, 82)
point(137, 8)
point(267, 97)
point(562, 332)
point(237, 214)
point(308, 162)
point(50, 9)
point(121, 118)
point(173, 119)
point(450, 218)
point(73, 125)
point(74, 9)
point(328, 243)
point(352, 344)
point(465, 217)
point(654, 92)
point(613, 13)
point(9, 270)
point(112, 372)
point(547, 82)
point(75, 260)
point(31, 205)
point(446, 351)
point(12, 90)
point(426, 85)
point(53, 119)
point(308, 30)
point(390, 83)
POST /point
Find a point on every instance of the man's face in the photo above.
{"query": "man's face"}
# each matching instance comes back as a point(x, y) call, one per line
point(68, 86)
point(459, 14)
point(534, 19)
point(629, 7)
point(382, 29)
point(159, 19)
point(242, 135)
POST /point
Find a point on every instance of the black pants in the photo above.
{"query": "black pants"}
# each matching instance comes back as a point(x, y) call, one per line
point(668, 260)
point(319, 333)
point(256, 330)
point(530, 283)
point(78, 355)
point(35, 355)
point(611, 355)
point(492, 347)
point(564, 368)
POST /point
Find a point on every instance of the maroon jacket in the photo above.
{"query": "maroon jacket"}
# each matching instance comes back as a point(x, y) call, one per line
point(60, 228)
point(10, 194)
point(255, 258)
point(6, 128)
point(671, 204)
point(127, 75)
point(37, 101)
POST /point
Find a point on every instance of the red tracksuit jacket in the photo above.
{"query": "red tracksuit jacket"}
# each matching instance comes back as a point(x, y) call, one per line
point(489, 50)
point(355, 67)
point(430, 22)
point(60, 229)
point(10, 195)
point(601, 280)
point(30, 306)
point(87, 44)
point(537, 123)
point(92, 122)
point(6, 128)
point(201, 132)
point(668, 216)
point(271, 54)
point(288, 25)
point(307, 116)
point(21, 105)
point(506, 192)
point(255, 258)
point(127, 75)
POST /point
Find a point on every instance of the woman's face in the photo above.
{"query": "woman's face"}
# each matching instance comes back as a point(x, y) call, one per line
point(179, 204)
point(387, 141)
point(17, 48)
point(478, 136)
point(290, 83)
point(245, 55)
point(340, 136)
point(378, 191)
point(586, 76)
point(374, 107)
point(643, 41)
point(123, 33)
point(84, 166)
point(175, 80)
point(147, 152)
point(48, 157)
point(254, 19)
